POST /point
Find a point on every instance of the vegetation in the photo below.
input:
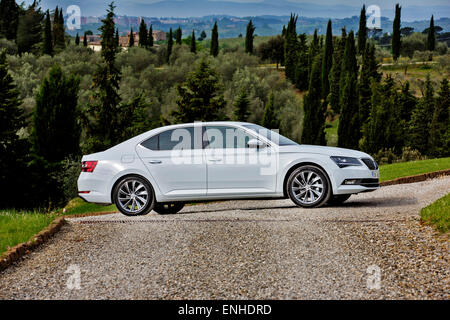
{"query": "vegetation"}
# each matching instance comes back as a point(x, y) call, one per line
point(405, 169)
point(332, 91)
point(437, 214)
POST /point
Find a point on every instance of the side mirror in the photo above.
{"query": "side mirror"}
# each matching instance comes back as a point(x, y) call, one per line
point(255, 143)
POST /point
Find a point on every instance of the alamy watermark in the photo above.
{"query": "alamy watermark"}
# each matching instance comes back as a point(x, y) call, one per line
point(74, 280)
point(373, 281)
point(73, 20)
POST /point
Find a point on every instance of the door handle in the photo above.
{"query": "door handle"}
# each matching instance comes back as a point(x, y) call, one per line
point(155, 161)
point(214, 160)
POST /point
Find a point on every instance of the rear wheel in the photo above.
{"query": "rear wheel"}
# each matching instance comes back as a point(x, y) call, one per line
point(133, 196)
point(168, 208)
point(338, 199)
point(308, 187)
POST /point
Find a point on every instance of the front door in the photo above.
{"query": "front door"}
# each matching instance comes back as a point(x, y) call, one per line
point(234, 169)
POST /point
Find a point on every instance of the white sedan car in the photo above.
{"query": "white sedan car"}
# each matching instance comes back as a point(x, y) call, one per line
point(168, 166)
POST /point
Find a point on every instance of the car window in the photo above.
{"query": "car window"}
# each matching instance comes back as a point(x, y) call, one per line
point(224, 137)
point(271, 135)
point(179, 138)
point(151, 143)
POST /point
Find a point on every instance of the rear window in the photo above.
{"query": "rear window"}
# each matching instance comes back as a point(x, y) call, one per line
point(180, 138)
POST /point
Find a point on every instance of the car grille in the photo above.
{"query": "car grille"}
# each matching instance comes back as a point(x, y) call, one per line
point(371, 164)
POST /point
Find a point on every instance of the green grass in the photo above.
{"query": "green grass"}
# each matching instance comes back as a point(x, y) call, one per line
point(437, 214)
point(405, 169)
point(17, 227)
point(79, 206)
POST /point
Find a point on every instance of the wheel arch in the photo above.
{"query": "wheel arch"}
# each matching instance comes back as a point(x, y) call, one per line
point(300, 164)
point(120, 178)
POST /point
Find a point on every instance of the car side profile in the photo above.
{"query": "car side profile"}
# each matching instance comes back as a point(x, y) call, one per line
point(166, 167)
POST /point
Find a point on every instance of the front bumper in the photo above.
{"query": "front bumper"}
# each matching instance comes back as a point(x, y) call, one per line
point(365, 180)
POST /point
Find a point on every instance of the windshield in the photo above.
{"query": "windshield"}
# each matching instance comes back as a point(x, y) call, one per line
point(271, 135)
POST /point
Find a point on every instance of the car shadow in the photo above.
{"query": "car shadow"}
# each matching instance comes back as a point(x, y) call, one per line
point(363, 203)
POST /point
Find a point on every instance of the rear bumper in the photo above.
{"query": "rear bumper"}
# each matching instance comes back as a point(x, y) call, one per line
point(95, 186)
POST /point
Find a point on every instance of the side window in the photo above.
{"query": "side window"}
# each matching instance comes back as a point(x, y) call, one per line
point(221, 137)
point(180, 139)
point(151, 143)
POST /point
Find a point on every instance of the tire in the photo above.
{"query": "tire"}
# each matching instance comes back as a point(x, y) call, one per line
point(338, 199)
point(308, 186)
point(168, 208)
point(134, 196)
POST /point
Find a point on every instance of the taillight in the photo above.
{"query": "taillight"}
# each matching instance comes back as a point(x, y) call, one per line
point(88, 166)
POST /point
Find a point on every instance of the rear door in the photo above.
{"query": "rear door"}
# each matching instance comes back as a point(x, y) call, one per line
point(176, 161)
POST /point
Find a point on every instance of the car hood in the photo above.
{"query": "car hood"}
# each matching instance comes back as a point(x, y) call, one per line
point(328, 151)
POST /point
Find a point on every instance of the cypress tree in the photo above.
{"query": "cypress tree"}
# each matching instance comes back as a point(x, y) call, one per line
point(270, 118)
point(12, 148)
point(314, 120)
point(314, 50)
point(193, 45)
point(439, 141)
point(419, 126)
point(327, 62)
point(143, 34)
point(77, 40)
point(406, 103)
point(178, 35)
point(349, 126)
point(62, 41)
point(241, 107)
point(301, 67)
point(291, 47)
point(382, 128)
point(431, 38)
point(200, 96)
point(249, 37)
point(335, 74)
point(56, 134)
point(29, 30)
point(169, 46)
point(117, 39)
point(102, 117)
point(9, 19)
point(396, 41)
point(47, 47)
point(150, 36)
point(362, 32)
point(214, 51)
point(369, 71)
point(131, 41)
point(85, 42)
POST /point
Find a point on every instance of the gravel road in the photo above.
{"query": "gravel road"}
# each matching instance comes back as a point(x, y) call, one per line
point(247, 250)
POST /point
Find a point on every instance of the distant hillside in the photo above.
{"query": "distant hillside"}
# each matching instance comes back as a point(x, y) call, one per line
point(199, 8)
point(230, 26)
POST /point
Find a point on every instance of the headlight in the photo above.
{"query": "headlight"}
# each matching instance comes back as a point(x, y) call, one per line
point(346, 161)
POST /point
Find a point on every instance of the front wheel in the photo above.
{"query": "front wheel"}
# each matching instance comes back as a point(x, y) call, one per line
point(133, 196)
point(168, 208)
point(308, 187)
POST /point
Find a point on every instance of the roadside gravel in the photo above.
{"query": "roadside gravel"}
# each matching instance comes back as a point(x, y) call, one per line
point(247, 250)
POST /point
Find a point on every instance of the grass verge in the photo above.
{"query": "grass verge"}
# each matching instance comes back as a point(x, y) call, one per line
point(405, 169)
point(437, 214)
point(17, 227)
